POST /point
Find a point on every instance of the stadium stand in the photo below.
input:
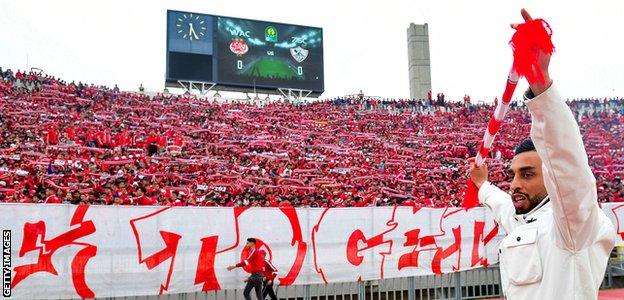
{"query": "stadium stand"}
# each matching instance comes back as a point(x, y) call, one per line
point(83, 144)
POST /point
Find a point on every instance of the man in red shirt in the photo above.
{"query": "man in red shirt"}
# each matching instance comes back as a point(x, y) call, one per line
point(141, 198)
point(255, 261)
point(270, 272)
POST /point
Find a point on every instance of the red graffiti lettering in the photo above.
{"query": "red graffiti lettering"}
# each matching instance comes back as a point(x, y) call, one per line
point(441, 254)
point(412, 239)
point(315, 230)
point(297, 239)
point(205, 265)
point(35, 232)
point(171, 241)
point(479, 238)
point(421, 244)
point(430, 243)
point(353, 252)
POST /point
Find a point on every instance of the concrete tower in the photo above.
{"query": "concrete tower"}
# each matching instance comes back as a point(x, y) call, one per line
point(419, 60)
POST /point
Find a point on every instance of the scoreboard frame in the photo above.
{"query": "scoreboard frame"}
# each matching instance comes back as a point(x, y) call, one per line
point(220, 85)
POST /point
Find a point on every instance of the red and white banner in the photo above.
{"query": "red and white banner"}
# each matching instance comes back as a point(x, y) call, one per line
point(65, 251)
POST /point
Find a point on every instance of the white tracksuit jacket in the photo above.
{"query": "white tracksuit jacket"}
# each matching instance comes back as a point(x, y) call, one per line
point(560, 249)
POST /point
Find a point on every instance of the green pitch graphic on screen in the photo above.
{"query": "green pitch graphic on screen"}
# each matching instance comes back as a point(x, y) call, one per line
point(271, 68)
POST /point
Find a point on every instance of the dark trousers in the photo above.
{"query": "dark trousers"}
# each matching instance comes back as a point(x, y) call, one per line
point(268, 290)
point(254, 282)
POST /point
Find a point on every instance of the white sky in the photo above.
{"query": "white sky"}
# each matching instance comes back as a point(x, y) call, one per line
point(123, 42)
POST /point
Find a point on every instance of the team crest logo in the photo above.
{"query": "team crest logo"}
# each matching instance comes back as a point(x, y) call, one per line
point(239, 47)
point(299, 54)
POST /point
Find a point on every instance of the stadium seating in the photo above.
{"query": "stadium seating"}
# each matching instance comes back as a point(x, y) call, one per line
point(75, 143)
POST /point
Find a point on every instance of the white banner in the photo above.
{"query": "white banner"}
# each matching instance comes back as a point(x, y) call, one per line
point(65, 251)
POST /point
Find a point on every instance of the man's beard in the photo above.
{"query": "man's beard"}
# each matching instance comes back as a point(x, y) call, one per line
point(518, 198)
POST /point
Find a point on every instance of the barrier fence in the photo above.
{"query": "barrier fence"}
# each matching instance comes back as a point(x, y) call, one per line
point(483, 283)
point(64, 252)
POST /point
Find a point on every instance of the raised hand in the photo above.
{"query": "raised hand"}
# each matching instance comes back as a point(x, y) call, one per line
point(543, 62)
point(478, 175)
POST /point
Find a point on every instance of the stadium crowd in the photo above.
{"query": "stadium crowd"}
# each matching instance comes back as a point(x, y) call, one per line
point(83, 144)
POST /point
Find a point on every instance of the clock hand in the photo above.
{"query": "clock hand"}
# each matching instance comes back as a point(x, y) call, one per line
point(192, 32)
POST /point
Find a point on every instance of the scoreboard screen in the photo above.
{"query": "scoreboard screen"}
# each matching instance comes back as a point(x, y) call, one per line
point(269, 54)
point(243, 55)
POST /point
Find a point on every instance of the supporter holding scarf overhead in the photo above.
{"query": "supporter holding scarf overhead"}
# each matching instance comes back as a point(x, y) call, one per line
point(558, 239)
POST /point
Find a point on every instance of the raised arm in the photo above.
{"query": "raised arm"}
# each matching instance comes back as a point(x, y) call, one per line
point(567, 175)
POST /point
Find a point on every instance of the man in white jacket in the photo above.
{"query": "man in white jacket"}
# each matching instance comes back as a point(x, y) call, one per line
point(558, 240)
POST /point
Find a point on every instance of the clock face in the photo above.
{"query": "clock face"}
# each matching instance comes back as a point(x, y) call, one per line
point(191, 27)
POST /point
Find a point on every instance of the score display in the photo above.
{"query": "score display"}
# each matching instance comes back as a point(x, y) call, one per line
point(242, 55)
point(269, 54)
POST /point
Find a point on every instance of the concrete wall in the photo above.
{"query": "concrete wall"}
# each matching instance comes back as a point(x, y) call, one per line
point(419, 61)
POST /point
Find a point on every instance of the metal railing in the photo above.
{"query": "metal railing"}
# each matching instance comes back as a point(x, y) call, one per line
point(472, 284)
point(483, 283)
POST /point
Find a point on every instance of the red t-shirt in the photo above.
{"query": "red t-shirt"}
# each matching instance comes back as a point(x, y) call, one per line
point(52, 137)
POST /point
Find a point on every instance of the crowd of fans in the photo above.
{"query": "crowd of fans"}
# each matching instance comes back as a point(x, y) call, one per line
point(74, 143)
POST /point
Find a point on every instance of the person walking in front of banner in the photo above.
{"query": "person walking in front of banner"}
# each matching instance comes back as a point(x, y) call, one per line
point(255, 261)
point(558, 239)
point(270, 272)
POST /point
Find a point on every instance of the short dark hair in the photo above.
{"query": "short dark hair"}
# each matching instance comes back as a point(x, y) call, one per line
point(526, 146)
point(251, 240)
